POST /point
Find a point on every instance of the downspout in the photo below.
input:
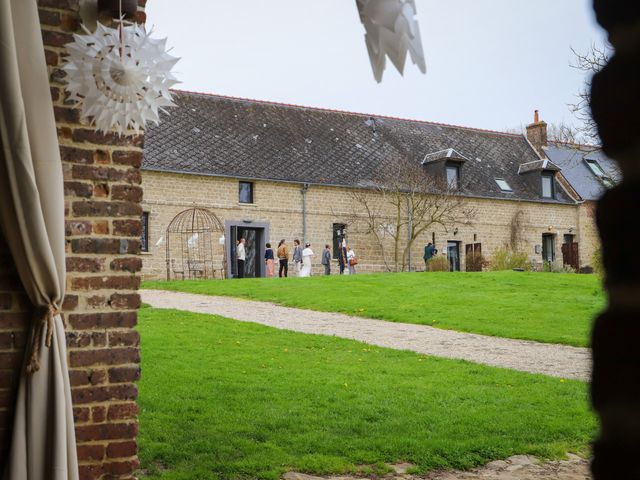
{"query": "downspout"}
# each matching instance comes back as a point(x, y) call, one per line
point(303, 191)
point(410, 232)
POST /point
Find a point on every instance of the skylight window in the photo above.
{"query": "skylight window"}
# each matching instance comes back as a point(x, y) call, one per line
point(596, 168)
point(504, 186)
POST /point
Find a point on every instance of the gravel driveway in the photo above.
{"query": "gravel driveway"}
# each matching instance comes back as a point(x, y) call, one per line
point(549, 359)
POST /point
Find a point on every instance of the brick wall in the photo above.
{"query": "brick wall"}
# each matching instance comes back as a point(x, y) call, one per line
point(280, 204)
point(102, 208)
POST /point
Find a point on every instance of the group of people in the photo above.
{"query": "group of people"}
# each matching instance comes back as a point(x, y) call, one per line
point(302, 259)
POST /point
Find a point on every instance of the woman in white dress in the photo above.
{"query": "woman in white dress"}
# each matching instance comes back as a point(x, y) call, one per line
point(351, 260)
point(307, 254)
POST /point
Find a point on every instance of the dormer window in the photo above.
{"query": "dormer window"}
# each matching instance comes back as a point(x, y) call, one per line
point(547, 185)
point(504, 186)
point(453, 176)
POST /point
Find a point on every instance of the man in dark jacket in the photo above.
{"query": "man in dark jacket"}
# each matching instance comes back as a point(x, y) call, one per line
point(429, 251)
point(326, 260)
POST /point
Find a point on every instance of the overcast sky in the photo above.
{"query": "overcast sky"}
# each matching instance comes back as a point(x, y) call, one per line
point(490, 63)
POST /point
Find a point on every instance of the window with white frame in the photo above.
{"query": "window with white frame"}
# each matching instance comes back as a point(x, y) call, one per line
point(547, 185)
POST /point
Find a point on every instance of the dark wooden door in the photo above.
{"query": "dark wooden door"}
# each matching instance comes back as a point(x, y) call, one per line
point(473, 260)
point(570, 255)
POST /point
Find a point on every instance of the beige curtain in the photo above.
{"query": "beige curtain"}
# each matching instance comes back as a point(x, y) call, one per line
point(32, 220)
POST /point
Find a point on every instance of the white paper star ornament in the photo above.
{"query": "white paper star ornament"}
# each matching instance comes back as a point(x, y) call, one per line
point(120, 77)
point(391, 31)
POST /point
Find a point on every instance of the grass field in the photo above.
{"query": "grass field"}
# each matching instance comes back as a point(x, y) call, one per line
point(231, 400)
point(546, 307)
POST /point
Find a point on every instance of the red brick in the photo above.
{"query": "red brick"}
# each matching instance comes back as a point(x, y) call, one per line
point(84, 264)
point(93, 136)
point(103, 320)
point(70, 303)
point(80, 414)
point(47, 17)
point(125, 301)
point(56, 39)
point(132, 158)
point(120, 468)
point(122, 449)
point(87, 377)
point(77, 227)
point(102, 157)
point(92, 394)
point(97, 301)
point(99, 339)
point(98, 283)
point(129, 193)
point(104, 356)
point(128, 264)
point(69, 22)
point(90, 452)
point(98, 414)
point(124, 374)
point(66, 115)
point(76, 155)
point(101, 190)
point(55, 94)
point(101, 227)
point(78, 189)
point(128, 228)
point(106, 209)
point(106, 431)
point(51, 58)
point(123, 411)
point(78, 339)
point(128, 338)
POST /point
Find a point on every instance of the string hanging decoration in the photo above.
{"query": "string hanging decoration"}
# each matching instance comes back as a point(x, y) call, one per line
point(120, 77)
point(391, 31)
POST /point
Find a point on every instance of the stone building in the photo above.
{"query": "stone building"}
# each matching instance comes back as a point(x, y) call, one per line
point(272, 171)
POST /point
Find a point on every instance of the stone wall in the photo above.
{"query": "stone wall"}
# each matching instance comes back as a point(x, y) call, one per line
point(280, 204)
point(102, 209)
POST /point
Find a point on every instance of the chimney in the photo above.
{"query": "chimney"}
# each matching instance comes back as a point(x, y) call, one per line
point(537, 134)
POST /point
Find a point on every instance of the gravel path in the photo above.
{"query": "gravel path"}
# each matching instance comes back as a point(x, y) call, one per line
point(554, 360)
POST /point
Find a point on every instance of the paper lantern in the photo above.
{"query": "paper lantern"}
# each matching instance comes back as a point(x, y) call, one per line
point(391, 31)
point(120, 77)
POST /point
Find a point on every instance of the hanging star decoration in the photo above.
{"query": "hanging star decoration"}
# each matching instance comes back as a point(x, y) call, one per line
point(120, 77)
point(392, 31)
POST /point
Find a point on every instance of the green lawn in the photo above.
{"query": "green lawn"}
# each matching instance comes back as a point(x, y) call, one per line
point(547, 307)
point(230, 400)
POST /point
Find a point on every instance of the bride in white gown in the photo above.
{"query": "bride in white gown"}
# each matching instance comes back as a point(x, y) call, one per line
point(307, 254)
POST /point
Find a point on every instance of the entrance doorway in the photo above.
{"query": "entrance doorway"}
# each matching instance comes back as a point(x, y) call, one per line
point(548, 247)
point(453, 255)
point(255, 235)
point(570, 252)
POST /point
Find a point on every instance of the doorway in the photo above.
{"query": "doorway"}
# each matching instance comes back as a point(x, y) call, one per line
point(570, 254)
point(453, 255)
point(255, 235)
point(548, 247)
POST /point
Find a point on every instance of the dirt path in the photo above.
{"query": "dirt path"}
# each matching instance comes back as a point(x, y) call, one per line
point(518, 467)
point(554, 360)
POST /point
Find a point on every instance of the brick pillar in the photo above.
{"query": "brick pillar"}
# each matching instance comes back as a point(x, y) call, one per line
point(615, 389)
point(102, 209)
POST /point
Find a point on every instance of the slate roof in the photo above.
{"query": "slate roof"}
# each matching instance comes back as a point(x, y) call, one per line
point(571, 158)
point(230, 137)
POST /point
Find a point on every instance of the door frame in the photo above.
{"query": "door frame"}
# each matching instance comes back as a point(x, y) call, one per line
point(264, 226)
point(457, 244)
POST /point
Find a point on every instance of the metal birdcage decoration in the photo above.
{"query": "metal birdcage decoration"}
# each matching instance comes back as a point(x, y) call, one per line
point(190, 245)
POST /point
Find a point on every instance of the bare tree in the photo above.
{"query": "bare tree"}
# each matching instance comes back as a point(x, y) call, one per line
point(590, 63)
point(400, 204)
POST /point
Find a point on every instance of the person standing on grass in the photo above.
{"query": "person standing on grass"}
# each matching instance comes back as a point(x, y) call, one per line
point(283, 259)
point(297, 256)
point(352, 260)
point(241, 257)
point(342, 259)
point(268, 260)
point(326, 260)
point(307, 253)
point(429, 252)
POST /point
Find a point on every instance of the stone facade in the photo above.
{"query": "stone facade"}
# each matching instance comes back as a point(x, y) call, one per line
point(102, 208)
point(280, 205)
